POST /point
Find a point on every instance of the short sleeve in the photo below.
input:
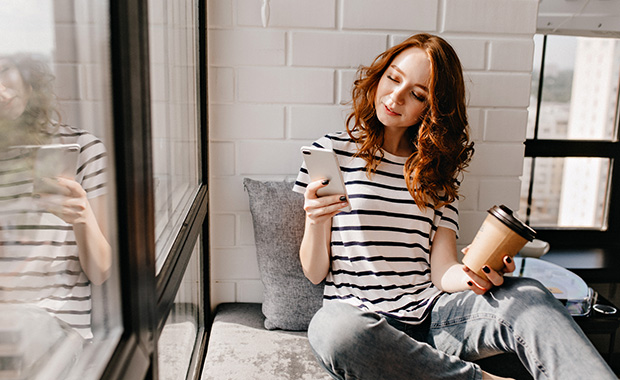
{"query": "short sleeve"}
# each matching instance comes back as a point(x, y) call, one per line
point(450, 217)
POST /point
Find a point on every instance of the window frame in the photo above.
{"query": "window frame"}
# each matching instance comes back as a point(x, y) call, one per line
point(563, 237)
point(146, 298)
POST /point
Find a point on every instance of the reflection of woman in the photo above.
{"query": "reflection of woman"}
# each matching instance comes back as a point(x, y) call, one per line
point(397, 302)
point(53, 243)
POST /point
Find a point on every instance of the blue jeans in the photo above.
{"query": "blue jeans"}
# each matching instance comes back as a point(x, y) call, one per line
point(521, 316)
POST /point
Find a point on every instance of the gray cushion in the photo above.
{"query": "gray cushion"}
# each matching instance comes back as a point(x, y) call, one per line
point(290, 299)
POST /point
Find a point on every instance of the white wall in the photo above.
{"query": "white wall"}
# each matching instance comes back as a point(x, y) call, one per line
point(276, 88)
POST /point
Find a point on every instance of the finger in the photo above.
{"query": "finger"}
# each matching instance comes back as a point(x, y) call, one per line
point(494, 277)
point(73, 188)
point(465, 250)
point(313, 187)
point(326, 210)
point(510, 265)
point(49, 185)
point(478, 283)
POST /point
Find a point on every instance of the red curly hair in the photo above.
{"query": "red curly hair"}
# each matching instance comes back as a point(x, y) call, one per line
point(440, 140)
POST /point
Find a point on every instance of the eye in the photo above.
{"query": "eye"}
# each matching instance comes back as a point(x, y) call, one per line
point(419, 97)
point(392, 78)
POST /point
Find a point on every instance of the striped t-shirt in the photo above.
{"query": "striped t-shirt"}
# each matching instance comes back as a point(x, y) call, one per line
point(39, 261)
point(380, 251)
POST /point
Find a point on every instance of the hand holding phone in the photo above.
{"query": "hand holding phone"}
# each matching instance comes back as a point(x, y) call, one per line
point(323, 164)
point(51, 162)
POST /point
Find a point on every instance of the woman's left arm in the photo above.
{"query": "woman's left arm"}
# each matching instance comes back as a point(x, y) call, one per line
point(88, 217)
point(449, 275)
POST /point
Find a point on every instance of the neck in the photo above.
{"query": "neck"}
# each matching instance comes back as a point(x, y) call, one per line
point(395, 141)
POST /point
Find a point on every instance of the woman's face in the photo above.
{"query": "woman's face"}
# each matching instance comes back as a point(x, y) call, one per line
point(403, 89)
point(14, 92)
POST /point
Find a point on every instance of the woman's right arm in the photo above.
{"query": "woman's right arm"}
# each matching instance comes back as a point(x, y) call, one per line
point(314, 250)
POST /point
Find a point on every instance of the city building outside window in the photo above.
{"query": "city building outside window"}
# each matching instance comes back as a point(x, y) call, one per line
point(572, 136)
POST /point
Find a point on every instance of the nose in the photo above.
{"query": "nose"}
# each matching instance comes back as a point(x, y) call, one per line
point(397, 96)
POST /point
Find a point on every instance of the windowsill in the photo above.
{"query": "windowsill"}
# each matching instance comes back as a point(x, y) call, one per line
point(593, 265)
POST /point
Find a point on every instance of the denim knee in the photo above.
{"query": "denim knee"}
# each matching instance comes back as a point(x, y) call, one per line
point(338, 328)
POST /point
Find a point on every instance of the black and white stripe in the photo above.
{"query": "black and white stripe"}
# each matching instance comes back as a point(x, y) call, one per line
point(39, 261)
point(380, 251)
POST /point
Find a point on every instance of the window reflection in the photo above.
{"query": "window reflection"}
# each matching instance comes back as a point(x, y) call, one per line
point(180, 338)
point(59, 308)
point(174, 80)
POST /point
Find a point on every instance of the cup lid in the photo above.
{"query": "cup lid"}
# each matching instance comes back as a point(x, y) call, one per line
point(505, 215)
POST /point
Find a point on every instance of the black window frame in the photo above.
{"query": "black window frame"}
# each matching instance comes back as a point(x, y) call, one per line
point(577, 238)
point(147, 299)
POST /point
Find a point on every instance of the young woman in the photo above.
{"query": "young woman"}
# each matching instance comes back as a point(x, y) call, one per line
point(397, 303)
point(53, 243)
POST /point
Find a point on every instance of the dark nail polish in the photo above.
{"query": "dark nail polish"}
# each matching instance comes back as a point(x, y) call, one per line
point(486, 269)
point(470, 283)
point(343, 198)
point(325, 182)
point(508, 259)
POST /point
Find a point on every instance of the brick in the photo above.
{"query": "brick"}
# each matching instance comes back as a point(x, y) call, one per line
point(498, 192)
point(345, 85)
point(245, 47)
point(250, 291)
point(476, 123)
point(268, 157)
point(469, 193)
point(514, 55)
point(222, 161)
point(220, 13)
point(312, 122)
point(67, 82)
point(498, 90)
point(495, 159)
point(471, 52)
point(221, 85)
point(505, 125)
point(222, 291)
point(336, 49)
point(235, 263)
point(490, 16)
point(246, 121)
point(226, 194)
point(469, 223)
point(284, 85)
point(246, 229)
point(289, 13)
point(223, 230)
point(408, 15)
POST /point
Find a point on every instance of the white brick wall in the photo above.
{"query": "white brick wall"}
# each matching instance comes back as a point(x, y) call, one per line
point(275, 88)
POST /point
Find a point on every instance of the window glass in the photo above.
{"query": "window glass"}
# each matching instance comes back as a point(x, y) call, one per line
point(59, 290)
point(174, 91)
point(566, 192)
point(180, 339)
point(579, 97)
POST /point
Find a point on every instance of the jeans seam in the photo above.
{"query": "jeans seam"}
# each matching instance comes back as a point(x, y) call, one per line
point(487, 316)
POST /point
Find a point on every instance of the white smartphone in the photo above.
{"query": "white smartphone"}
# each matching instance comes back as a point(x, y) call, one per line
point(54, 160)
point(323, 164)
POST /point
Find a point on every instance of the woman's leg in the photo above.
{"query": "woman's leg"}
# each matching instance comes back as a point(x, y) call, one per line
point(353, 344)
point(521, 316)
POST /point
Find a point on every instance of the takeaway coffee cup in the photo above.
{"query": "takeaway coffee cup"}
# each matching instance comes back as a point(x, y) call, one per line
point(501, 234)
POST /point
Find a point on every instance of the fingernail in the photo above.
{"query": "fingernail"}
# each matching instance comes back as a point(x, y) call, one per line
point(508, 259)
point(470, 283)
point(486, 269)
point(325, 182)
point(343, 198)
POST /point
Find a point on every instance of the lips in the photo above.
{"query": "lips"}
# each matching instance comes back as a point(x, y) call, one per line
point(390, 112)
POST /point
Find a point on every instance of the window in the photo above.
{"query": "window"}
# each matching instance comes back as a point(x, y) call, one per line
point(570, 190)
point(61, 317)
